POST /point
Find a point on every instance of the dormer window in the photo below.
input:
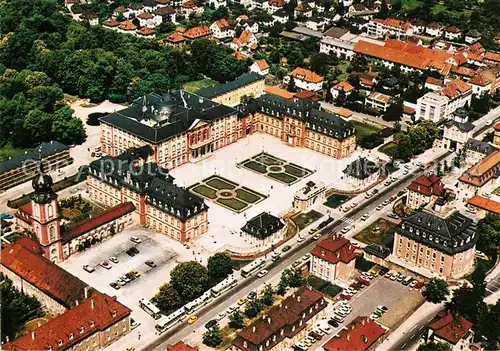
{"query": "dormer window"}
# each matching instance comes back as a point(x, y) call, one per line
point(92, 324)
point(80, 329)
point(71, 336)
point(59, 342)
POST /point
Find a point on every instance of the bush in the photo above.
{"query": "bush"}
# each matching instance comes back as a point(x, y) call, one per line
point(386, 132)
point(93, 118)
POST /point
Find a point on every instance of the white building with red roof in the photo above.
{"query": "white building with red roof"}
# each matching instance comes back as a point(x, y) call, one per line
point(423, 190)
point(261, 67)
point(450, 329)
point(480, 85)
point(221, 29)
point(333, 259)
point(305, 79)
point(379, 28)
point(359, 335)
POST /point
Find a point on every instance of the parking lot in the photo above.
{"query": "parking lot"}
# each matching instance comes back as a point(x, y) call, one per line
point(165, 253)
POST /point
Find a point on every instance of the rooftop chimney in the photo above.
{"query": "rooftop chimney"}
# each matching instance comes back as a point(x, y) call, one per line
point(253, 329)
point(92, 304)
point(348, 337)
point(33, 335)
point(269, 320)
point(86, 292)
point(76, 302)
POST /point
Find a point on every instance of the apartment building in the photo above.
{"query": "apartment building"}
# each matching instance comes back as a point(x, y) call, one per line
point(159, 203)
point(432, 107)
point(378, 101)
point(424, 190)
point(333, 258)
point(18, 170)
point(283, 325)
point(380, 28)
point(482, 177)
point(442, 243)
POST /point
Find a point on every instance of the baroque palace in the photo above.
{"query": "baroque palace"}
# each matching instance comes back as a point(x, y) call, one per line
point(183, 127)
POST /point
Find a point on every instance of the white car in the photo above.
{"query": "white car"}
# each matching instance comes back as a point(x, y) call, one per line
point(300, 239)
point(354, 204)
point(365, 216)
point(406, 172)
point(306, 257)
point(113, 259)
point(135, 239)
point(345, 230)
point(386, 202)
point(379, 207)
point(488, 122)
point(262, 273)
point(221, 316)
point(88, 268)
point(325, 329)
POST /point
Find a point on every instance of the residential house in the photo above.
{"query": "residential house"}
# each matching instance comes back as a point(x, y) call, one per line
point(433, 84)
point(198, 33)
point(281, 16)
point(452, 33)
point(378, 101)
point(221, 29)
point(333, 258)
point(441, 240)
point(344, 86)
point(303, 9)
point(472, 36)
point(165, 14)
point(111, 24)
point(246, 41)
point(305, 79)
point(147, 19)
point(480, 85)
point(380, 28)
point(424, 190)
point(359, 335)
point(127, 27)
point(451, 329)
point(274, 6)
point(361, 173)
point(175, 39)
point(283, 325)
point(434, 29)
point(482, 177)
point(189, 8)
point(135, 9)
point(146, 32)
point(121, 10)
point(217, 3)
point(261, 67)
point(418, 26)
point(317, 23)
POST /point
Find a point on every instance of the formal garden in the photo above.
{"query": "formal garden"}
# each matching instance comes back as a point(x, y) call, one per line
point(227, 193)
point(380, 232)
point(275, 168)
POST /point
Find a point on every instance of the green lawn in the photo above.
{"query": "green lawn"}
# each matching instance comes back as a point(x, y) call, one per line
point(220, 184)
point(380, 232)
point(324, 286)
point(343, 68)
point(388, 148)
point(304, 219)
point(196, 85)
point(283, 177)
point(364, 129)
point(336, 200)
point(255, 166)
point(295, 171)
point(205, 191)
point(268, 160)
point(246, 196)
point(234, 204)
point(10, 151)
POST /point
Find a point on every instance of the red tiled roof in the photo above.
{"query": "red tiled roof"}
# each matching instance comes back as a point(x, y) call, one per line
point(164, 11)
point(306, 94)
point(477, 48)
point(395, 23)
point(344, 85)
point(480, 80)
point(146, 31)
point(464, 71)
point(453, 29)
point(43, 274)
point(434, 81)
point(306, 75)
point(281, 317)
point(278, 92)
point(180, 346)
point(475, 57)
point(408, 110)
point(263, 65)
point(120, 9)
point(496, 126)
point(111, 23)
point(222, 23)
point(473, 174)
point(485, 203)
point(145, 15)
point(335, 249)
point(25, 213)
point(427, 185)
point(366, 81)
point(127, 26)
point(99, 220)
point(358, 335)
point(450, 328)
point(175, 38)
point(455, 88)
point(492, 56)
point(97, 313)
point(197, 32)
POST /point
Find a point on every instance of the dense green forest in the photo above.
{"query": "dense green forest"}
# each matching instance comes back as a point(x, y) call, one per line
point(44, 52)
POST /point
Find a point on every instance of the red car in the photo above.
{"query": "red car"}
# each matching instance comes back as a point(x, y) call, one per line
point(355, 286)
point(345, 297)
point(364, 281)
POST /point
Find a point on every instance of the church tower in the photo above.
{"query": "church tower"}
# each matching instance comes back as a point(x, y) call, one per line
point(45, 212)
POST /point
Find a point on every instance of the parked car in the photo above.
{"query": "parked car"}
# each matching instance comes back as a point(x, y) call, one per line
point(113, 259)
point(150, 264)
point(210, 323)
point(192, 319)
point(306, 257)
point(286, 248)
point(365, 216)
point(88, 268)
point(401, 193)
point(130, 253)
point(382, 308)
point(134, 250)
point(242, 301)
point(413, 284)
point(221, 316)
point(317, 237)
point(252, 294)
point(135, 239)
point(296, 264)
point(115, 285)
point(333, 323)
point(313, 230)
point(315, 335)
point(300, 239)
point(379, 207)
point(6, 216)
point(134, 324)
point(105, 264)
point(401, 278)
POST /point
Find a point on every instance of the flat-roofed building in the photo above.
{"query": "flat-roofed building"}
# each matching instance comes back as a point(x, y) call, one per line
point(443, 244)
point(17, 170)
point(378, 101)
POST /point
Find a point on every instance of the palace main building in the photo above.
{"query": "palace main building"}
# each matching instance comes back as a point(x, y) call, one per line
point(183, 127)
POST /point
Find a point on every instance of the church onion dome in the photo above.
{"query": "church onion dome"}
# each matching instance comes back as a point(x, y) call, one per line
point(42, 182)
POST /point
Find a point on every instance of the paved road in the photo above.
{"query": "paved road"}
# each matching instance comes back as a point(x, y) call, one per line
point(182, 330)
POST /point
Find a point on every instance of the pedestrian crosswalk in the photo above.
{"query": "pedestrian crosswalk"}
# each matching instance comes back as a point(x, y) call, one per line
point(347, 220)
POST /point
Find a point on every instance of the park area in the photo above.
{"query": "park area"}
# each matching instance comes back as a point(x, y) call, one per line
point(227, 193)
point(324, 286)
point(381, 232)
point(364, 129)
point(388, 148)
point(196, 85)
point(335, 200)
point(275, 168)
point(302, 220)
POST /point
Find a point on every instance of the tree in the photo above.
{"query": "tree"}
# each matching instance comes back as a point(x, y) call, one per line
point(320, 62)
point(396, 127)
point(436, 290)
point(439, 170)
point(291, 85)
point(253, 307)
point(268, 295)
point(434, 346)
point(236, 320)
point(468, 302)
point(488, 231)
point(394, 111)
point(190, 279)
point(220, 265)
point(167, 299)
point(384, 10)
point(213, 336)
